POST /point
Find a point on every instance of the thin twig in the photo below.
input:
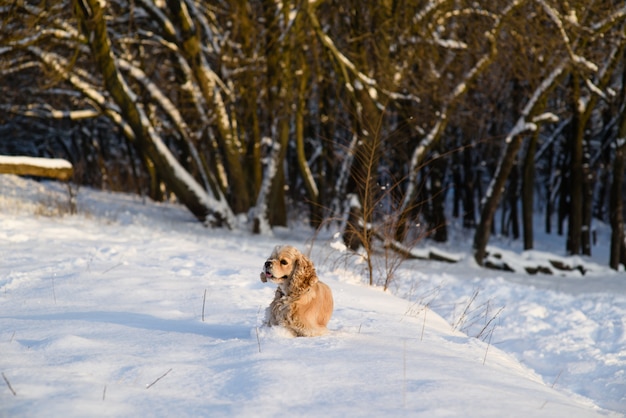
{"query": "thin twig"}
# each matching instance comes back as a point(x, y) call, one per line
point(159, 378)
point(203, 303)
point(104, 392)
point(258, 340)
point(8, 384)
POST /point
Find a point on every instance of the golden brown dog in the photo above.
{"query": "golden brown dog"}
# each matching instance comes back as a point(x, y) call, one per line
point(302, 303)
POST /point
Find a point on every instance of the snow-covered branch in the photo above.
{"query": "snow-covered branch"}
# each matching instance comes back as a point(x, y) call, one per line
point(169, 31)
point(619, 15)
point(343, 61)
point(59, 65)
point(358, 79)
point(575, 58)
point(47, 112)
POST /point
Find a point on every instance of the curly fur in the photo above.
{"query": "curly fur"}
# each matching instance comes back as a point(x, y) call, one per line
point(302, 303)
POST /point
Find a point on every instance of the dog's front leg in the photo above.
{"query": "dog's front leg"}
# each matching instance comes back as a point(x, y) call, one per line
point(275, 314)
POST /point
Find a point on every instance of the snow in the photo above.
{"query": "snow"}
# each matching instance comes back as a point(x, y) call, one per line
point(131, 308)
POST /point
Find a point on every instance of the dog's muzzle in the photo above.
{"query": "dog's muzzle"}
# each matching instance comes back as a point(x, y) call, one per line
point(267, 273)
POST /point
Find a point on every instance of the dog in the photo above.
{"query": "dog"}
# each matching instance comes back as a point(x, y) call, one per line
point(302, 304)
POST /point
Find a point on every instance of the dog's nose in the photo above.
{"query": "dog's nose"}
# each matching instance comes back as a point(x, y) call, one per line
point(268, 264)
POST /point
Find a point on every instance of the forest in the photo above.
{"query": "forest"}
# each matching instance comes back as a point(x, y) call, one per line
point(384, 116)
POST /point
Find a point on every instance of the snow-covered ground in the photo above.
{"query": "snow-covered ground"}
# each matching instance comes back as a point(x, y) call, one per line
point(131, 308)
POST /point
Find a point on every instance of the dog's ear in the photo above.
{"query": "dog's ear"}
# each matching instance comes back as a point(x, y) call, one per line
point(303, 275)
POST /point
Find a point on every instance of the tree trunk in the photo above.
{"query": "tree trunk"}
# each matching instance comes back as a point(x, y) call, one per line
point(575, 223)
point(469, 189)
point(564, 187)
point(513, 198)
point(457, 191)
point(492, 198)
point(277, 204)
point(549, 190)
point(528, 182)
point(437, 218)
point(616, 206)
point(315, 216)
point(587, 205)
point(260, 212)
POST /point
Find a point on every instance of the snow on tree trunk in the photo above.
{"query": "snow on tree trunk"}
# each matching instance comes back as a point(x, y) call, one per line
point(259, 213)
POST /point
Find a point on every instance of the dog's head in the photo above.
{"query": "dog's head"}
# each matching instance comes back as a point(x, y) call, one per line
point(289, 269)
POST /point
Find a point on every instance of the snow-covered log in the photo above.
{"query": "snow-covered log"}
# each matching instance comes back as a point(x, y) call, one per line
point(56, 168)
point(434, 253)
point(534, 262)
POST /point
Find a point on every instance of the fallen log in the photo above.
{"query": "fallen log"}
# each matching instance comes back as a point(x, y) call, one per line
point(423, 254)
point(55, 168)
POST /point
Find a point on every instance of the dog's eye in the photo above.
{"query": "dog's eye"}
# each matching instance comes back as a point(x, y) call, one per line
point(284, 262)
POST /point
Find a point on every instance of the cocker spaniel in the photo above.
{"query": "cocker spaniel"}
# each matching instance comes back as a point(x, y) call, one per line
point(302, 303)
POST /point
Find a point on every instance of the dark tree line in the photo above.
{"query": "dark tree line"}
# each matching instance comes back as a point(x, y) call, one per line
point(419, 109)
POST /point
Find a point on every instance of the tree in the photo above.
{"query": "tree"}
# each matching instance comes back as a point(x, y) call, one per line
point(616, 216)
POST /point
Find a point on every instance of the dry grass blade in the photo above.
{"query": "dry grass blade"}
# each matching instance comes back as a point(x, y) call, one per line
point(258, 340)
point(203, 304)
point(6, 380)
point(158, 378)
